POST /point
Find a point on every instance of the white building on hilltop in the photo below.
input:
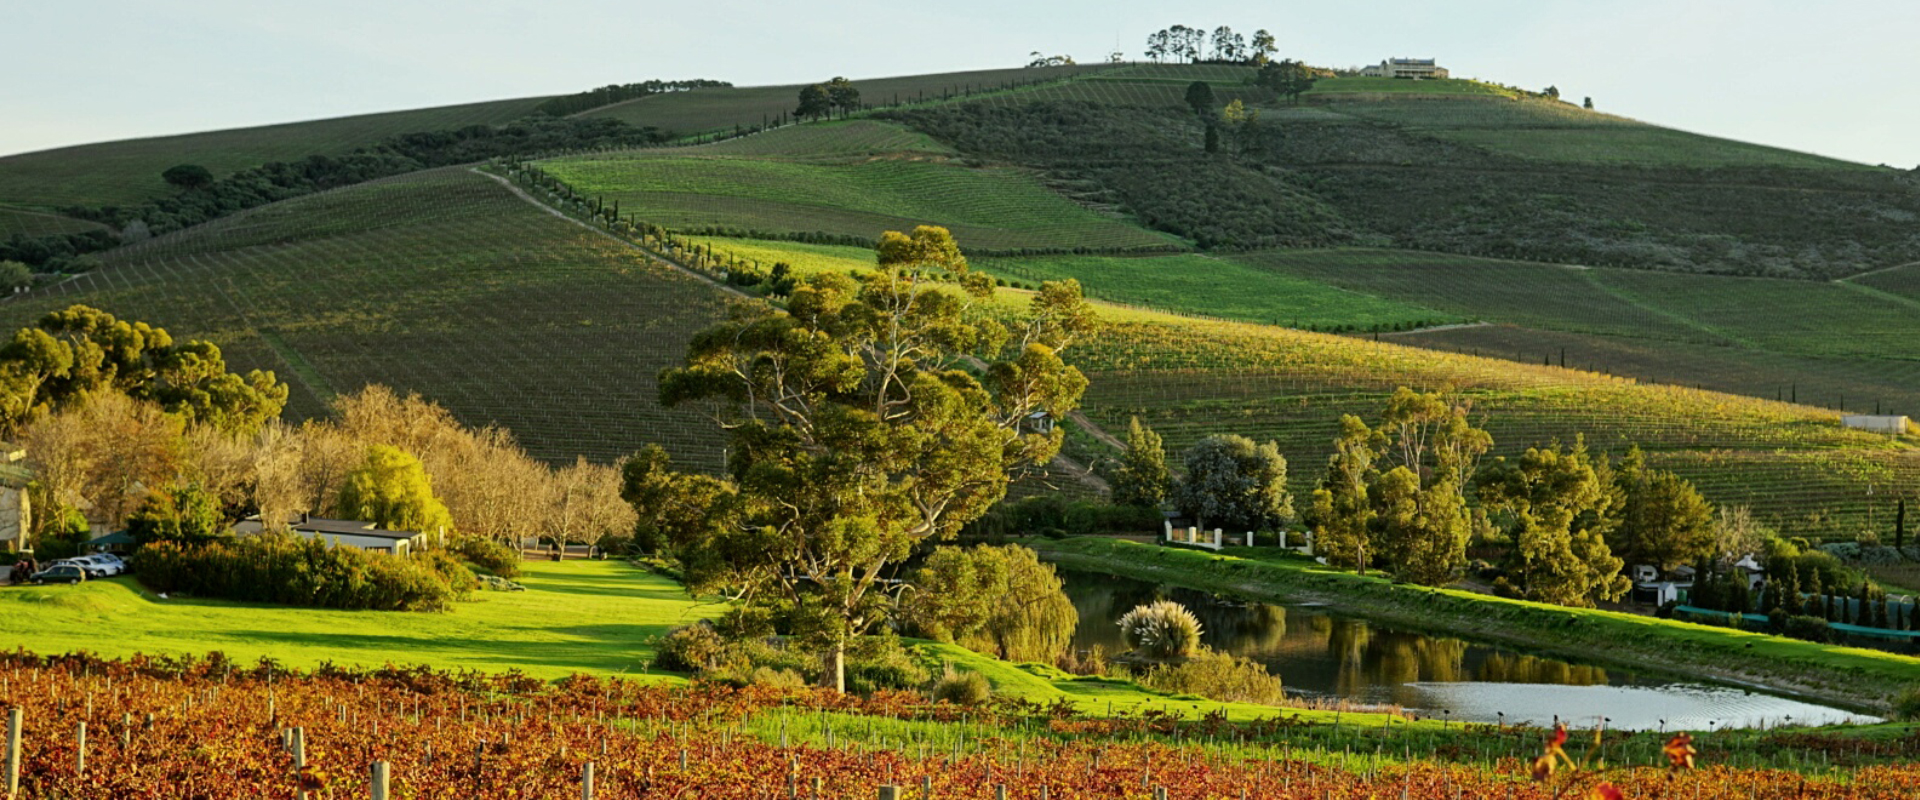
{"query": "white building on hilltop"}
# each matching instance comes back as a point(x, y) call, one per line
point(1405, 68)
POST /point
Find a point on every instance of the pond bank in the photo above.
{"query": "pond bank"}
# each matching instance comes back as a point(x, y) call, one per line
point(1864, 680)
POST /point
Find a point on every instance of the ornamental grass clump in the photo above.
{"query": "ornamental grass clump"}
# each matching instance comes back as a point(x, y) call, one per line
point(1162, 629)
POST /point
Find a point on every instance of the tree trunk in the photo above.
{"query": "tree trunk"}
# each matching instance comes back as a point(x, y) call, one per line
point(835, 674)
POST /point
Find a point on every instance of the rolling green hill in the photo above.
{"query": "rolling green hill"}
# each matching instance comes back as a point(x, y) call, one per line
point(128, 172)
point(441, 282)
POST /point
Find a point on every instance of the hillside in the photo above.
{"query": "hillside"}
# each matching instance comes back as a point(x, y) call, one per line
point(128, 172)
point(441, 282)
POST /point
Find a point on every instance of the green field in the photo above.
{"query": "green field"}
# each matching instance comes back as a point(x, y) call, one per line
point(597, 617)
point(127, 172)
point(1400, 86)
point(715, 110)
point(440, 282)
point(36, 223)
point(1903, 281)
point(986, 207)
point(844, 139)
point(1209, 286)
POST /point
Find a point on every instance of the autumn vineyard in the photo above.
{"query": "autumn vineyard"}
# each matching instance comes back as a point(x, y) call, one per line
point(147, 728)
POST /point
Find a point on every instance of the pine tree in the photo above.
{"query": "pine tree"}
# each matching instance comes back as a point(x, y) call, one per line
point(1142, 478)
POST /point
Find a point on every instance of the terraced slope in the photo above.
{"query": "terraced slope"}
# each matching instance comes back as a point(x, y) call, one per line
point(818, 179)
point(712, 110)
point(128, 172)
point(38, 223)
point(441, 282)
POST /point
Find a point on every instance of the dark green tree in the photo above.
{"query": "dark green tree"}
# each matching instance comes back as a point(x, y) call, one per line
point(1421, 524)
point(188, 176)
point(183, 514)
point(815, 102)
point(1231, 482)
point(1200, 99)
point(1288, 78)
point(843, 96)
point(854, 434)
point(1664, 521)
point(1264, 47)
point(1142, 478)
point(1900, 528)
point(1341, 516)
point(1558, 510)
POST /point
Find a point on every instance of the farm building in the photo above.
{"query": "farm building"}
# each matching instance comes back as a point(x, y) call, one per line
point(1877, 423)
point(1405, 68)
point(338, 532)
point(15, 512)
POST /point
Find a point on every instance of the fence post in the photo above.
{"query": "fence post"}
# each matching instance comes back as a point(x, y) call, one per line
point(889, 793)
point(15, 724)
point(379, 780)
point(80, 752)
point(586, 782)
point(299, 737)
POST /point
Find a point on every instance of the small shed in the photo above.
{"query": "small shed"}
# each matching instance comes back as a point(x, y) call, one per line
point(1037, 422)
point(116, 542)
point(1877, 423)
point(338, 532)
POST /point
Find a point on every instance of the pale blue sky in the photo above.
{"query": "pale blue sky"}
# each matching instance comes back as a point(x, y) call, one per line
point(1835, 77)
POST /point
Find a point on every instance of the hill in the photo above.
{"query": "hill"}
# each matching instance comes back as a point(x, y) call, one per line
point(128, 172)
point(441, 282)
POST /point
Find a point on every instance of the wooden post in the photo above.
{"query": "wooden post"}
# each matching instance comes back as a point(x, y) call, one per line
point(586, 782)
point(299, 738)
point(80, 752)
point(889, 793)
point(926, 787)
point(379, 781)
point(15, 724)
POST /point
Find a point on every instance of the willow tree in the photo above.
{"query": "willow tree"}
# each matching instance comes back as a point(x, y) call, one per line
point(873, 414)
point(998, 600)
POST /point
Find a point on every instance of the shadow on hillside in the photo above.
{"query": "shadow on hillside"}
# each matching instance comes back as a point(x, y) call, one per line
point(599, 648)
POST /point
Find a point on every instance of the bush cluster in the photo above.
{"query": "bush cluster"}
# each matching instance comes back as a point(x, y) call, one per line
point(489, 556)
point(1218, 676)
point(275, 568)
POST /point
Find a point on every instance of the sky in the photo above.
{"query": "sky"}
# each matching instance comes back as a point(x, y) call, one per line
point(1834, 77)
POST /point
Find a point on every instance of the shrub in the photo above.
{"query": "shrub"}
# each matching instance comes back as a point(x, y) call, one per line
point(276, 568)
point(1812, 629)
point(777, 678)
point(1906, 705)
point(692, 648)
point(489, 555)
point(880, 662)
point(1161, 629)
point(962, 688)
point(1218, 676)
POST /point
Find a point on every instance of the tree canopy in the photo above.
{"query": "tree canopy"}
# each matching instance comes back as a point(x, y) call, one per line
point(1286, 78)
point(73, 352)
point(1142, 478)
point(392, 490)
point(854, 432)
point(188, 176)
point(1559, 507)
point(1233, 483)
point(1663, 519)
point(997, 600)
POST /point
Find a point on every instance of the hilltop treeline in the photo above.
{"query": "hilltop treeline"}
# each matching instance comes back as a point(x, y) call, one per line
point(281, 180)
point(619, 92)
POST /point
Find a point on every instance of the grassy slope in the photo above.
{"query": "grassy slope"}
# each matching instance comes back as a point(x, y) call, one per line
point(440, 282)
point(37, 223)
point(994, 208)
point(597, 617)
point(708, 110)
point(128, 171)
point(1843, 675)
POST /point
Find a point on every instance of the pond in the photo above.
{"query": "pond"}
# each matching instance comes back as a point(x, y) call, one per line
point(1320, 653)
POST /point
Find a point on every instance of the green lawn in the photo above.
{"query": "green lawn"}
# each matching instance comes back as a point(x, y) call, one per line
point(596, 617)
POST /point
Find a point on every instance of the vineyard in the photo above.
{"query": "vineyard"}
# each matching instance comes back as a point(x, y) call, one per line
point(725, 109)
point(154, 728)
point(989, 208)
point(1191, 378)
point(405, 282)
point(1903, 281)
point(128, 172)
point(34, 223)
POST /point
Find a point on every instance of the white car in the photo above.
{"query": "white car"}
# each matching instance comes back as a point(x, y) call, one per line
point(95, 566)
point(119, 566)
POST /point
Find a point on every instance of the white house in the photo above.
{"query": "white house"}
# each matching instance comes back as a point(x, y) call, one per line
point(338, 532)
point(1414, 68)
point(1651, 586)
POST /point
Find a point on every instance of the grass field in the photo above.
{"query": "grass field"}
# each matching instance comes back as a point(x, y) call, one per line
point(1218, 287)
point(1850, 676)
point(993, 208)
point(36, 223)
point(127, 172)
point(557, 336)
point(597, 617)
point(713, 110)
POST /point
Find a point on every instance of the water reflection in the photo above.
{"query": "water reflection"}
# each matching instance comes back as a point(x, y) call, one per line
point(1319, 653)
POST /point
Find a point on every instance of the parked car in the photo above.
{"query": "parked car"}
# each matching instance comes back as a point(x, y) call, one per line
point(120, 566)
point(60, 573)
point(94, 571)
point(101, 565)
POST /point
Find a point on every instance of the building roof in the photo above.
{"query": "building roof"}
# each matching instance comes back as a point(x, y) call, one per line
point(303, 523)
point(117, 537)
point(1412, 62)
